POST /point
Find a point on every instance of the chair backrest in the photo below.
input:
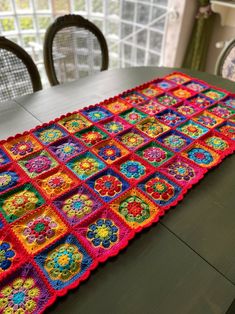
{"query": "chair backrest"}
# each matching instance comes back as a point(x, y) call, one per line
point(18, 73)
point(73, 48)
point(225, 65)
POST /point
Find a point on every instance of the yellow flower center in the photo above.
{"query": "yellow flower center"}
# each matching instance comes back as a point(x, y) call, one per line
point(63, 260)
point(102, 232)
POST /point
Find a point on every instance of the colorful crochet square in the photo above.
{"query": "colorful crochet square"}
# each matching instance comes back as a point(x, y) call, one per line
point(85, 165)
point(163, 191)
point(38, 229)
point(19, 201)
point(170, 117)
point(114, 125)
point(134, 98)
point(75, 191)
point(184, 172)
point(154, 153)
point(37, 163)
point(227, 129)
point(196, 86)
point(208, 119)
point(152, 127)
point(133, 139)
point(66, 148)
point(104, 233)
point(78, 204)
point(64, 262)
point(174, 140)
point(74, 122)
point(96, 114)
point(22, 146)
point(24, 291)
point(151, 107)
point(167, 100)
point(53, 184)
point(50, 134)
point(229, 101)
point(108, 184)
point(164, 84)
point(135, 209)
point(117, 106)
point(133, 115)
point(202, 155)
point(182, 93)
point(214, 94)
point(110, 151)
point(221, 110)
point(192, 129)
point(9, 177)
point(91, 136)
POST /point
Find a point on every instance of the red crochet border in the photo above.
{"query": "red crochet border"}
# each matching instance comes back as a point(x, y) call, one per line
point(96, 261)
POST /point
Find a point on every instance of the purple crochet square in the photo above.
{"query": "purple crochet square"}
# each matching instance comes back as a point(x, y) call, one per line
point(66, 148)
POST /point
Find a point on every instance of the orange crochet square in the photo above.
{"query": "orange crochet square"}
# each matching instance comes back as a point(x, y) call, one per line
point(152, 127)
point(38, 229)
point(57, 183)
point(117, 106)
point(135, 208)
point(74, 123)
point(22, 146)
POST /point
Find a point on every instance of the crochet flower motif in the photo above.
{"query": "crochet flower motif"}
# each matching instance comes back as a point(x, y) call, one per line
point(114, 127)
point(96, 115)
point(19, 297)
point(200, 156)
point(186, 110)
point(134, 98)
point(193, 130)
point(175, 142)
point(56, 184)
point(154, 154)
point(159, 189)
point(151, 107)
point(19, 203)
point(103, 233)
point(167, 100)
point(195, 87)
point(108, 185)
point(86, 165)
point(109, 152)
point(75, 123)
point(152, 127)
point(200, 102)
point(134, 209)
point(132, 139)
point(50, 135)
point(132, 169)
point(216, 143)
point(133, 116)
point(213, 94)
point(170, 118)
point(7, 180)
point(228, 130)
point(222, 111)
point(117, 106)
point(150, 91)
point(78, 205)
point(207, 120)
point(22, 148)
point(39, 229)
point(67, 150)
point(6, 256)
point(38, 164)
point(181, 171)
point(64, 262)
point(182, 93)
point(91, 137)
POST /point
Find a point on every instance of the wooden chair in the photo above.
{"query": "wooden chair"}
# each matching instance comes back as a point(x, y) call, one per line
point(18, 73)
point(225, 65)
point(73, 48)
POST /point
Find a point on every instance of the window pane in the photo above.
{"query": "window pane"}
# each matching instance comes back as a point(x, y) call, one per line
point(143, 14)
point(26, 23)
point(155, 41)
point(44, 22)
point(140, 56)
point(42, 5)
point(5, 5)
point(142, 38)
point(80, 5)
point(128, 11)
point(28, 39)
point(113, 7)
point(113, 28)
point(7, 24)
point(97, 6)
point(23, 4)
point(153, 59)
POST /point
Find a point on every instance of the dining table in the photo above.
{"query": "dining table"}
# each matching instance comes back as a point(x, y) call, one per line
point(184, 264)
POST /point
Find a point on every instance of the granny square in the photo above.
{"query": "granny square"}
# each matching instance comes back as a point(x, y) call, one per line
point(192, 129)
point(91, 136)
point(50, 134)
point(174, 140)
point(133, 138)
point(170, 117)
point(74, 122)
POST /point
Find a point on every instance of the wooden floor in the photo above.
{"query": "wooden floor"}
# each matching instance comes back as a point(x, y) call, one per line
point(185, 263)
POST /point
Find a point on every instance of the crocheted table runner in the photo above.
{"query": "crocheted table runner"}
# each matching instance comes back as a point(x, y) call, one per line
point(74, 191)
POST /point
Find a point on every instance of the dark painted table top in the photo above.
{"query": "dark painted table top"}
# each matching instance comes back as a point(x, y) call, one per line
point(185, 263)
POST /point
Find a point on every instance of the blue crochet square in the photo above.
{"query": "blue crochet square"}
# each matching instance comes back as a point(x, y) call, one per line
point(174, 140)
point(96, 113)
point(50, 134)
point(170, 117)
point(64, 262)
point(4, 159)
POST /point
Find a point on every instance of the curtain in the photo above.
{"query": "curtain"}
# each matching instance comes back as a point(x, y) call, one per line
point(196, 51)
